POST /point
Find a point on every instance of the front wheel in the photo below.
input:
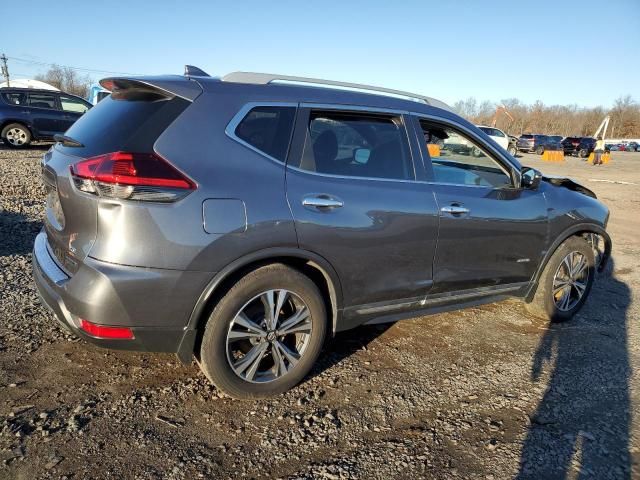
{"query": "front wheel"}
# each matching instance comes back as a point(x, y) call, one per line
point(512, 150)
point(540, 150)
point(565, 282)
point(16, 135)
point(265, 334)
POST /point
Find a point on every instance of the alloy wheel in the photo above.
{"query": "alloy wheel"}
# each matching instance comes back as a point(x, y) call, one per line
point(16, 136)
point(570, 281)
point(268, 336)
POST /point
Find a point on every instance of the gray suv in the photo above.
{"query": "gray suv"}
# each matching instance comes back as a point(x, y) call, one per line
point(244, 220)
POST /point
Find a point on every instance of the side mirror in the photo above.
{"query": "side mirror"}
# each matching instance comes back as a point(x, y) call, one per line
point(530, 178)
point(361, 155)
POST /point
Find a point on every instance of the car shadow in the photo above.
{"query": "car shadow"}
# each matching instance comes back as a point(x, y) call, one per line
point(17, 233)
point(581, 427)
point(345, 344)
point(44, 146)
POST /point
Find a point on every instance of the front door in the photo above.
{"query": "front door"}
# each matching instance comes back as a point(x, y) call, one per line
point(352, 191)
point(492, 232)
point(72, 109)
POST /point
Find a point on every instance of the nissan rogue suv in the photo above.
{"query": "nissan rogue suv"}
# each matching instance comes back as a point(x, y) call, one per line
point(244, 220)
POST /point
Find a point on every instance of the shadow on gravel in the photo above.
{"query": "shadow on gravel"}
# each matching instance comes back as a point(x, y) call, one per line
point(581, 428)
point(33, 146)
point(17, 233)
point(346, 344)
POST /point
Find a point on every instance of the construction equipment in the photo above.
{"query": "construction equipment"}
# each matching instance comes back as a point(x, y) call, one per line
point(603, 128)
point(500, 109)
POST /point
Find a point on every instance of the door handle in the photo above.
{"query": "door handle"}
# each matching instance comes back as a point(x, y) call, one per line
point(455, 209)
point(322, 201)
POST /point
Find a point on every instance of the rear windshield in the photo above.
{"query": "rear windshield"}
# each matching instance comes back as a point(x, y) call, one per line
point(122, 124)
point(526, 135)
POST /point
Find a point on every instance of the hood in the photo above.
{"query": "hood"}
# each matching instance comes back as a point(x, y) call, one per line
point(568, 183)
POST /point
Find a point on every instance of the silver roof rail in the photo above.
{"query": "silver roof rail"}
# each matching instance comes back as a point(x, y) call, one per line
point(266, 78)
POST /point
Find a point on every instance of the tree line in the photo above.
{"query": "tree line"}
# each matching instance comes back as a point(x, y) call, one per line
point(565, 120)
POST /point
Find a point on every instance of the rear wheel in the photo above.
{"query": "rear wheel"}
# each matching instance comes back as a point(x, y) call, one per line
point(512, 150)
point(16, 135)
point(583, 153)
point(540, 150)
point(565, 281)
point(265, 334)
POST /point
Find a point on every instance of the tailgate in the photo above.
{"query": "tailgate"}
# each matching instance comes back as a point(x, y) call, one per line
point(71, 216)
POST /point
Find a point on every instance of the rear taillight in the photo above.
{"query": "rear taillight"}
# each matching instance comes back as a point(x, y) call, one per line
point(102, 331)
point(131, 176)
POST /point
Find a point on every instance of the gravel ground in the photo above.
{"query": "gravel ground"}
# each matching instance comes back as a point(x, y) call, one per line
point(488, 392)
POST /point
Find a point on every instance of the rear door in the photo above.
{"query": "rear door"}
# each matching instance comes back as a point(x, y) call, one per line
point(45, 113)
point(492, 233)
point(352, 189)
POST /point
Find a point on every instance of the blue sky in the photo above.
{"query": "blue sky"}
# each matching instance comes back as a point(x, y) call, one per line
point(491, 50)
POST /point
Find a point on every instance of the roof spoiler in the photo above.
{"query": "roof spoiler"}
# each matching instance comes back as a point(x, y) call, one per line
point(165, 86)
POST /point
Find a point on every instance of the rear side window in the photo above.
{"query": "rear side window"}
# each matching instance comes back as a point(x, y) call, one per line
point(268, 129)
point(42, 100)
point(132, 123)
point(15, 98)
point(358, 145)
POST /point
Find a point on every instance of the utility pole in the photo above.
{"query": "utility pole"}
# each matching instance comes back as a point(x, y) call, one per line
point(5, 68)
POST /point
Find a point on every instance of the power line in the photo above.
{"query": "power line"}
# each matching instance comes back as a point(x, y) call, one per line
point(47, 64)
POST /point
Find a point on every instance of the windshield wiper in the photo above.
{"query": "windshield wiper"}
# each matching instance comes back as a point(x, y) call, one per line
point(67, 141)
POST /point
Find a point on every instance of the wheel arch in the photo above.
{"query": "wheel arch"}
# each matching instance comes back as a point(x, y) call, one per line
point(28, 125)
point(311, 264)
point(573, 231)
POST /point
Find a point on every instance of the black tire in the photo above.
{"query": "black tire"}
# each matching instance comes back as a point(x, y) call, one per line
point(16, 135)
point(540, 150)
point(214, 360)
point(544, 304)
point(583, 153)
point(512, 150)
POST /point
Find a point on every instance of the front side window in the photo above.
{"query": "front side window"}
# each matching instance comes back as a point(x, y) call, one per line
point(42, 100)
point(356, 145)
point(70, 104)
point(268, 129)
point(458, 159)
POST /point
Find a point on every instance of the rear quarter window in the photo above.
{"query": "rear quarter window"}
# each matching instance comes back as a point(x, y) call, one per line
point(268, 129)
point(15, 98)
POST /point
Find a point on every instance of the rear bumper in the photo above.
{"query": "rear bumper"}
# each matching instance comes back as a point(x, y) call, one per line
point(153, 303)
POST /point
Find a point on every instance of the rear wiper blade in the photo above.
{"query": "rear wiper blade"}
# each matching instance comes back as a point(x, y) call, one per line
point(67, 141)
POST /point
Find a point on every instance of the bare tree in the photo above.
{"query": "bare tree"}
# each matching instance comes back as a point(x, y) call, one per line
point(67, 80)
point(562, 120)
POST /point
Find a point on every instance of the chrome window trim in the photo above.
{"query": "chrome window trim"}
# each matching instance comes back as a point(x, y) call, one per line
point(230, 129)
point(457, 125)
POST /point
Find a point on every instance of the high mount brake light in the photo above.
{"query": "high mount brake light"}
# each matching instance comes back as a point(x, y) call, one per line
point(131, 176)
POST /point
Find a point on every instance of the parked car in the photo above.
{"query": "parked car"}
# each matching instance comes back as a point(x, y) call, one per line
point(581, 146)
point(537, 143)
point(30, 114)
point(497, 135)
point(633, 146)
point(97, 93)
point(154, 242)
